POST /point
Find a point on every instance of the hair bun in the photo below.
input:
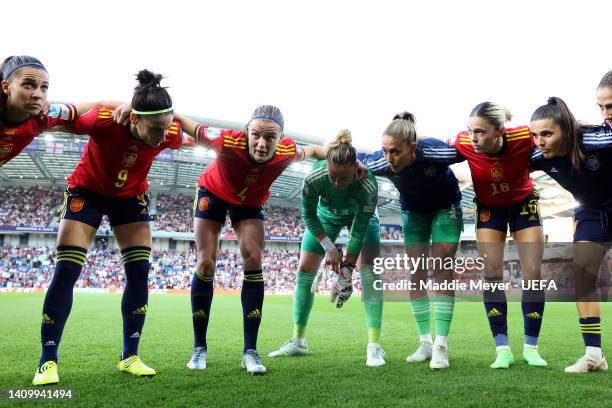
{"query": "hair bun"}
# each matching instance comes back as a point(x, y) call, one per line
point(405, 115)
point(148, 78)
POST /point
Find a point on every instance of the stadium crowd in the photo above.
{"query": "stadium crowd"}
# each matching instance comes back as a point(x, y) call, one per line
point(28, 206)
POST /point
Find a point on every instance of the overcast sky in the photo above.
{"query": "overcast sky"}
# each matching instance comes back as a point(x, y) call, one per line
point(327, 64)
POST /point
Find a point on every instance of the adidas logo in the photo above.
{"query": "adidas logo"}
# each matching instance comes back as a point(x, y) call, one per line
point(135, 335)
point(49, 343)
point(534, 315)
point(554, 170)
point(255, 314)
point(141, 310)
point(47, 320)
point(494, 313)
point(200, 314)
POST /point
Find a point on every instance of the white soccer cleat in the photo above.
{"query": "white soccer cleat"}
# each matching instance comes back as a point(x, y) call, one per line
point(252, 363)
point(421, 354)
point(376, 355)
point(198, 359)
point(294, 347)
point(439, 358)
point(588, 362)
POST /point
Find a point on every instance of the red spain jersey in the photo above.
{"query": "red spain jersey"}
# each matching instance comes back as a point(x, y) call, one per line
point(233, 176)
point(14, 139)
point(501, 179)
point(115, 163)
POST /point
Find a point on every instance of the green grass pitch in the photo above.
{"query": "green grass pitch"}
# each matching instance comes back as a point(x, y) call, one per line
point(333, 374)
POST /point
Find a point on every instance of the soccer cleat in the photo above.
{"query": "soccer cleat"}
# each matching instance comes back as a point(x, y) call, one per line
point(504, 359)
point(293, 347)
point(439, 358)
point(421, 354)
point(532, 357)
point(587, 363)
point(375, 355)
point(134, 365)
point(198, 359)
point(252, 363)
point(46, 374)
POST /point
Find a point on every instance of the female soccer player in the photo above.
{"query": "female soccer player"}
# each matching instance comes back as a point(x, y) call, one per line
point(580, 160)
point(111, 179)
point(431, 211)
point(498, 160)
point(331, 199)
point(24, 111)
point(238, 182)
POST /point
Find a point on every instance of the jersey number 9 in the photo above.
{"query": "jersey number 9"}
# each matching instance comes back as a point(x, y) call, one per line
point(121, 178)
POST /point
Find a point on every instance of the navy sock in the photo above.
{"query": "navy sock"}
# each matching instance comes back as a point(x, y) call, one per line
point(58, 300)
point(590, 327)
point(201, 299)
point(496, 308)
point(135, 296)
point(532, 304)
point(252, 297)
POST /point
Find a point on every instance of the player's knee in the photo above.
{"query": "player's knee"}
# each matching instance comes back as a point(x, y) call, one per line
point(205, 267)
point(251, 254)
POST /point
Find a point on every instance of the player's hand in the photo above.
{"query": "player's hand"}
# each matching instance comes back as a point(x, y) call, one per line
point(362, 171)
point(333, 255)
point(346, 271)
point(341, 291)
point(121, 114)
point(45, 108)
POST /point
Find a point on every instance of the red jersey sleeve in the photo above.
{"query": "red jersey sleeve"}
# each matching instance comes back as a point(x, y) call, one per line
point(174, 136)
point(287, 148)
point(85, 123)
point(210, 137)
point(58, 114)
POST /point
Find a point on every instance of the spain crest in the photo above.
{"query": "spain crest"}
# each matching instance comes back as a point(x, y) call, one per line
point(203, 204)
point(76, 204)
point(5, 149)
point(129, 159)
point(497, 174)
point(484, 215)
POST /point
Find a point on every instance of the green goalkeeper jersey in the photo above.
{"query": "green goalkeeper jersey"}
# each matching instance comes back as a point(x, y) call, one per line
point(352, 206)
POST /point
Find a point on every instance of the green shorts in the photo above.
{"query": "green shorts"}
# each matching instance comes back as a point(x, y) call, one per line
point(332, 227)
point(439, 226)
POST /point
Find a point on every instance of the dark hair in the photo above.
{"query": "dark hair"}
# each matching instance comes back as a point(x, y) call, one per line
point(149, 95)
point(606, 81)
point(12, 64)
point(402, 127)
point(496, 115)
point(557, 111)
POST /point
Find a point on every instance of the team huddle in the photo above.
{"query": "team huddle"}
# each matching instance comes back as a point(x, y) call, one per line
point(341, 190)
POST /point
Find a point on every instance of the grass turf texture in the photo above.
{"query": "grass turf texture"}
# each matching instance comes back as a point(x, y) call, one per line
point(333, 374)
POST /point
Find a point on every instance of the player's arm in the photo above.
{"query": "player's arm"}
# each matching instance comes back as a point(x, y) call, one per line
point(311, 191)
point(367, 204)
point(314, 151)
point(596, 138)
point(87, 106)
point(374, 162)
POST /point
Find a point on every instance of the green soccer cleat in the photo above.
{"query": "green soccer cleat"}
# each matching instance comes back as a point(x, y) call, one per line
point(46, 374)
point(532, 357)
point(135, 366)
point(504, 359)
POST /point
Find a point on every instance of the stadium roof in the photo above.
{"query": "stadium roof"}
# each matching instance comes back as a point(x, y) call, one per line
point(53, 156)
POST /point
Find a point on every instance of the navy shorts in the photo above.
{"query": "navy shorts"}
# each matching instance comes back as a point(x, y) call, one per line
point(88, 207)
point(524, 214)
point(210, 207)
point(593, 225)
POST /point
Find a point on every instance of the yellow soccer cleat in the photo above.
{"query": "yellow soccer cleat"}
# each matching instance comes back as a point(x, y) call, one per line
point(135, 366)
point(46, 374)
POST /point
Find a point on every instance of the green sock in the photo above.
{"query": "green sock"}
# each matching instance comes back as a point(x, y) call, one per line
point(372, 303)
point(302, 303)
point(443, 314)
point(420, 311)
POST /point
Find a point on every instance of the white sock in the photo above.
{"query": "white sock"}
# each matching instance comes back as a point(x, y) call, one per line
point(301, 341)
point(441, 341)
point(526, 346)
point(502, 348)
point(425, 338)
